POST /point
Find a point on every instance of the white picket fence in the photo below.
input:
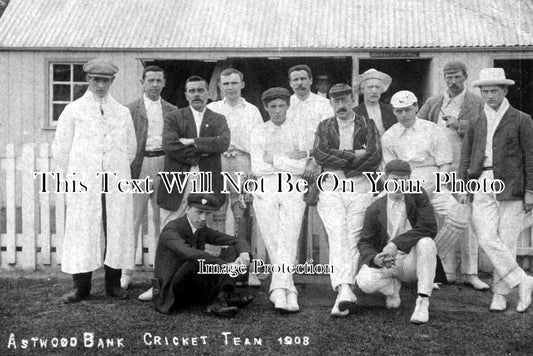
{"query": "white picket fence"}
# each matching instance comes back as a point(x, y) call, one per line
point(31, 228)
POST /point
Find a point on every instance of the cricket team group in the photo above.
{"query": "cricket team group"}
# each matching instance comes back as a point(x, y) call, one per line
point(377, 241)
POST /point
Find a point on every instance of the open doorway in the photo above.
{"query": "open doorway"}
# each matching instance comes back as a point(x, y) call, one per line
point(521, 71)
point(259, 74)
point(407, 74)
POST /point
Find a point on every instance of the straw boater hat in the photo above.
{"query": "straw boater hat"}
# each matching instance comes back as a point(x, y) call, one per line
point(492, 76)
point(373, 74)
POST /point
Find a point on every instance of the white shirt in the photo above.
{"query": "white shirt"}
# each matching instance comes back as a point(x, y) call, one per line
point(307, 114)
point(198, 117)
point(241, 118)
point(374, 113)
point(279, 141)
point(397, 222)
point(424, 145)
point(452, 107)
point(493, 120)
point(346, 131)
point(154, 114)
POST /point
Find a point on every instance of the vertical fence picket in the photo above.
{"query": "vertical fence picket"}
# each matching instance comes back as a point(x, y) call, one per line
point(11, 218)
point(27, 168)
point(43, 164)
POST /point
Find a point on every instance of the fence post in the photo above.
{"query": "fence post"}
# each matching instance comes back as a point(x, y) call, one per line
point(44, 199)
point(27, 167)
point(11, 218)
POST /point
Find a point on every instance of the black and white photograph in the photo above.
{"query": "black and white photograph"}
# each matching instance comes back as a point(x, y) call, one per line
point(266, 177)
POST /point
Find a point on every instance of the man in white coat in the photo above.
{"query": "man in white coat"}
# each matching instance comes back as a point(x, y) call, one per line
point(94, 136)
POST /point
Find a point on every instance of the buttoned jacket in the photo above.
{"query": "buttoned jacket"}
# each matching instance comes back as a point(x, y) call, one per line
point(140, 122)
point(214, 139)
point(387, 115)
point(512, 152)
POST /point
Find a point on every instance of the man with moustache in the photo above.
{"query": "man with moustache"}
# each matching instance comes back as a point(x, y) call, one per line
point(346, 146)
point(372, 84)
point(452, 111)
point(498, 145)
point(149, 113)
point(193, 141)
point(242, 117)
point(306, 111)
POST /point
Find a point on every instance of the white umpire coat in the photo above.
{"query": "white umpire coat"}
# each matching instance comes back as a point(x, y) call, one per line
point(87, 142)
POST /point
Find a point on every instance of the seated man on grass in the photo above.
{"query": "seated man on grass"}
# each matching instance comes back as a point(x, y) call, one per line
point(184, 274)
point(396, 245)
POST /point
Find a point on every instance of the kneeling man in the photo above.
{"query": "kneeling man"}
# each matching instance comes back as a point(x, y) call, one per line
point(178, 281)
point(396, 244)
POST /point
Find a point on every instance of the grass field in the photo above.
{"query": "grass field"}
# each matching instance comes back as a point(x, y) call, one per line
point(460, 324)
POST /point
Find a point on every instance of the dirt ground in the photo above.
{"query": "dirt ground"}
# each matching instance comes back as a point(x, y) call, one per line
point(31, 314)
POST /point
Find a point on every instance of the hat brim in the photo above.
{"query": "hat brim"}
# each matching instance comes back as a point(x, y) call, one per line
point(485, 82)
point(385, 78)
point(203, 207)
point(99, 75)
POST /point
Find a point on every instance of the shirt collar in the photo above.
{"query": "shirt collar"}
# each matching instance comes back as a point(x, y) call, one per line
point(197, 113)
point(191, 225)
point(96, 98)
point(148, 101)
point(392, 201)
point(242, 102)
point(346, 123)
point(458, 99)
point(501, 110)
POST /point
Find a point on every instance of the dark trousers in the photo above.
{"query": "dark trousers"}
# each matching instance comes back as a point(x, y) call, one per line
point(189, 287)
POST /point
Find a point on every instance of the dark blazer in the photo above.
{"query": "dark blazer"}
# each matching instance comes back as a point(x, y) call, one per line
point(177, 245)
point(140, 122)
point(214, 139)
point(374, 235)
point(472, 107)
point(512, 152)
point(387, 115)
point(366, 136)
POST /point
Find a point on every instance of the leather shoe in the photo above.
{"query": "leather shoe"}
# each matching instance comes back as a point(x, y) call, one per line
point(238, 300)
point(524, 294)
point(117, 292)
point(146, 296)
point(74, 297)
point(421, 313)
point(222, 312)
point(476, 283)
point(499, 303)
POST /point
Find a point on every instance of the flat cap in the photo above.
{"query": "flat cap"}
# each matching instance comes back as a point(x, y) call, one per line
point(322, 77)
point(203, 201)
point(100, 68)
point(452, 67)
point(275, 93)
point(399, 167)
point(339, 90)
point(403, 99)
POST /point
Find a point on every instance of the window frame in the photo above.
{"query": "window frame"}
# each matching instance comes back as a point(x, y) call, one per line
point(50, 124)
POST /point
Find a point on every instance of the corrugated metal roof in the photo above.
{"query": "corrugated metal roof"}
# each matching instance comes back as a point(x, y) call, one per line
point(271, 24)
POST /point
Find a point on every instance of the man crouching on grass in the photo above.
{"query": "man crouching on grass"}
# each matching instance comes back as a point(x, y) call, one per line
point(396, 245)
point(177, 282)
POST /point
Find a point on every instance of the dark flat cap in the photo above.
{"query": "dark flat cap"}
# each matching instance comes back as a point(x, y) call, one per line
point(203, 201)
point(397, 166)
point(322, 77)
point(452, 67)
point(339, 90)
point(100, 68)
point(276, 93)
